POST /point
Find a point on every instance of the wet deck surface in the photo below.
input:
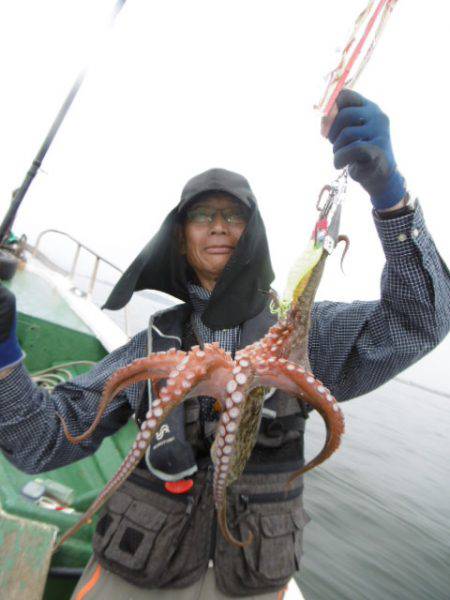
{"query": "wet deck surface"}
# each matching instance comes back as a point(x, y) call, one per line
point(25, 553)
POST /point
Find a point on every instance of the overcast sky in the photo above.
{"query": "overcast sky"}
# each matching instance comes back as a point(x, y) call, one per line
point(178, 87)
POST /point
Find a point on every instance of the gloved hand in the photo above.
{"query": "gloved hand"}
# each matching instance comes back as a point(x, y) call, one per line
point(361, 139)
point(10, 351)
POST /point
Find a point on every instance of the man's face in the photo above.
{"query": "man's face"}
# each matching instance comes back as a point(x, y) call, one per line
point(210, 236)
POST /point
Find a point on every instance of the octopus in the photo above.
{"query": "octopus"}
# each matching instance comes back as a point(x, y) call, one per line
point(239, 386)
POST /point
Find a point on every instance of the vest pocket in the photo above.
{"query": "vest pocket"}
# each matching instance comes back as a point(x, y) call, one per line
point(153, 539)
point(267, 564)
point(133, 540)
point(274, 555)
point(277, 552)
point(110, 520)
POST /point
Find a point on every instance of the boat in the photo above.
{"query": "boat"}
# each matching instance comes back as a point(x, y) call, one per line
point(63, 333)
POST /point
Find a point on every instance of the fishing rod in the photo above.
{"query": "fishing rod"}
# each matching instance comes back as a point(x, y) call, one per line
point(19, 193)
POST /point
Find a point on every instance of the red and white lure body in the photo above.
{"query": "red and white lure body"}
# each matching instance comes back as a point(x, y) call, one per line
point(355, 55)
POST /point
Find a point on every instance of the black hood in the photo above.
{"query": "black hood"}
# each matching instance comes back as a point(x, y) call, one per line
point(241, 291)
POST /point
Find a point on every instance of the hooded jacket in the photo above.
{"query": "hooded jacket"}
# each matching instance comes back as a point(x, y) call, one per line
point(241, 291)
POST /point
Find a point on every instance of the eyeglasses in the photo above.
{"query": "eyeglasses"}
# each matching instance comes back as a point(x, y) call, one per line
point(205, 215)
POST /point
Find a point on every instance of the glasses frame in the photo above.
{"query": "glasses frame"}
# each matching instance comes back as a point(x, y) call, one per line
point(211, 218)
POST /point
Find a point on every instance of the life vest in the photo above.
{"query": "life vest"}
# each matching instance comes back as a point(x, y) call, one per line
point(157, 539)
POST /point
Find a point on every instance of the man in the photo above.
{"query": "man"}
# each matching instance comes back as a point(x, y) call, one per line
point(211, 252)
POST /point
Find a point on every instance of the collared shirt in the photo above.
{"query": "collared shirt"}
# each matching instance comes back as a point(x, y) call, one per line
point(353, 348)
point(227, 338)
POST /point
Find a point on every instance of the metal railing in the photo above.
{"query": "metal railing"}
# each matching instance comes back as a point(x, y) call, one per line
point(36, 253)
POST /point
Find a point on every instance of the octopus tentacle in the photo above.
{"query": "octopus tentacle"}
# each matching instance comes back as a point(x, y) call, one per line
point(153, 367)
point(154, 419)
point(297, 380)
point(222, 520)
point(189, 371)
point(343, 238)
point(236, 436)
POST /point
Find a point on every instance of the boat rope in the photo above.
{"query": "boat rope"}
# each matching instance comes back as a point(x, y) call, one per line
point(51, 377)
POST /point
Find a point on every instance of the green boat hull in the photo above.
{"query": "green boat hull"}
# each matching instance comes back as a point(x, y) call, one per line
point(27, 530)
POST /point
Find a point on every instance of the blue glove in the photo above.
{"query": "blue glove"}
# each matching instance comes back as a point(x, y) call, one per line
point(10, 351)
point(361, 139)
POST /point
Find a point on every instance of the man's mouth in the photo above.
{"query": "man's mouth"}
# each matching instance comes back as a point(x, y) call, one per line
point(219, 249)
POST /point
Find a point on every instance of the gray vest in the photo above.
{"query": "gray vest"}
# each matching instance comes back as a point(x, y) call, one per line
point(156, 539)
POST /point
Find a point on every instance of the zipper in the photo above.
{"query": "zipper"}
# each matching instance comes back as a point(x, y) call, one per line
point(247, 499)
point(188, 513)
point(212, 543)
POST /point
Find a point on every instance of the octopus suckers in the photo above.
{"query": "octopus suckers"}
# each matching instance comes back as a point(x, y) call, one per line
point(310, 379)
point(200, 354)
point(321, 389)
point(335, 407)
point(272, 359)
point(330, 398)
point(237, 397)
point(244, 363)
point(241, 379)
point(236, 370)
point(158, 411)
point(229, 403)
point(234, 412)
point(290, 367)
point(173, 374)
point(152, 423)
point(232, 385)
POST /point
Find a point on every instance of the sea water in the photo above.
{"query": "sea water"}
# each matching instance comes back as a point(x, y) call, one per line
point(380, 507)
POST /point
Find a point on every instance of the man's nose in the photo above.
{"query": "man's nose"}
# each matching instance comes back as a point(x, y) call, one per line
point(219, 224)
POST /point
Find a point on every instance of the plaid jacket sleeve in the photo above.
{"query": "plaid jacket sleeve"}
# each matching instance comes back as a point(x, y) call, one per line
point(31, 436)
point(356, 347)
